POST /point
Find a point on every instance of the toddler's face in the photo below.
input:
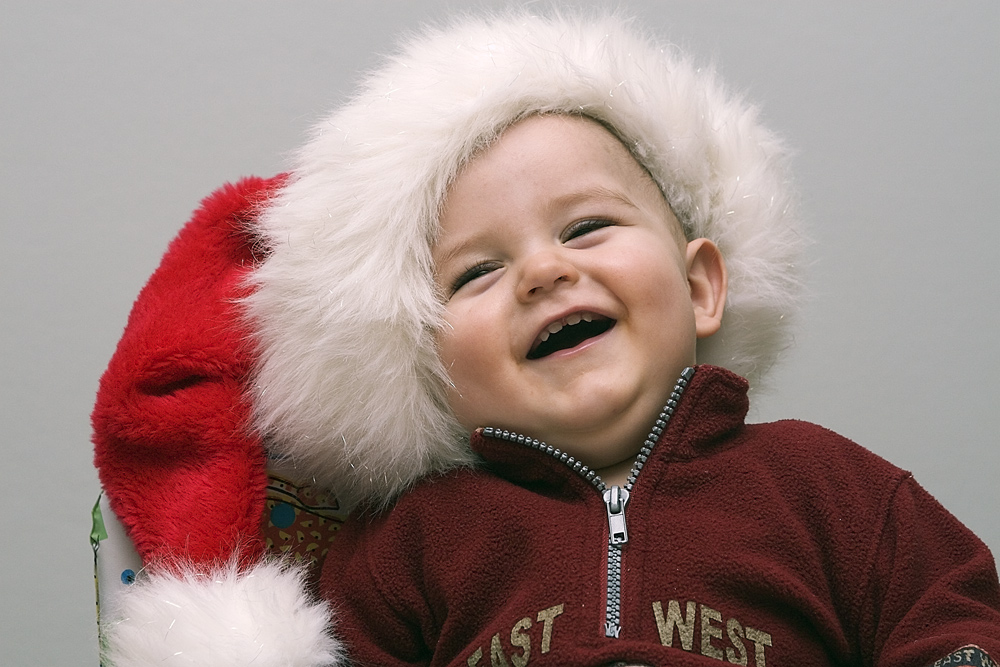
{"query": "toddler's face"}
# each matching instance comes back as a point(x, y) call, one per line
point(570, 309)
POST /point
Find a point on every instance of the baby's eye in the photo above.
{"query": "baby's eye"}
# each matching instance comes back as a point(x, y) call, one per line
point(475, 271)
point(583, 227)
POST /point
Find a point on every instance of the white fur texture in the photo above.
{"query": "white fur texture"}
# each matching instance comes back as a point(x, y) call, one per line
point(349, 384)
point(221, 618)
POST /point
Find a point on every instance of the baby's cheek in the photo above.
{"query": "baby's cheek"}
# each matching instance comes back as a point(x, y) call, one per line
point(465, 367)
point(449, 344)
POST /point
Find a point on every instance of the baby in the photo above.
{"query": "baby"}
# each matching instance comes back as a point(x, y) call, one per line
point(526, 232)
point(559, 245)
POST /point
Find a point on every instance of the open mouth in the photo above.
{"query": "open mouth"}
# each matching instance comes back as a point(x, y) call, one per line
point(569, 332)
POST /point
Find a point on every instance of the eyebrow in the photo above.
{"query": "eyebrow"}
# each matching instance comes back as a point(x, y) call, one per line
point(597, 192)
point(457, 251)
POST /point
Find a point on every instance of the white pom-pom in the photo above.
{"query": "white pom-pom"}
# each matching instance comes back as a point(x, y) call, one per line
point(224, 616)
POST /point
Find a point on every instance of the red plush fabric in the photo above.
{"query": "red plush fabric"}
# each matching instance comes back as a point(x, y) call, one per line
point(173, 446)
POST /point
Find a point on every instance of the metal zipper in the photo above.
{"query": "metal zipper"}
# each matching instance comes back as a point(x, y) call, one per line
point(615, 498)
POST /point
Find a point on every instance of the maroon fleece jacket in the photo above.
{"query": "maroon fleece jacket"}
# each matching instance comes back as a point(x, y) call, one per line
point(767, 544)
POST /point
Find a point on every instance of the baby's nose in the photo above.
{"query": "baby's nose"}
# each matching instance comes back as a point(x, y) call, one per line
point(544, 270)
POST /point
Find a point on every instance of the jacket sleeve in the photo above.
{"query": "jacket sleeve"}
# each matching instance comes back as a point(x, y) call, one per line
point(372, 579)
point(933, 589)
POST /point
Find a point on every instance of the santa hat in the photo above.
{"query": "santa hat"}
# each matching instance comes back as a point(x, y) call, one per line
point(344, 308)
point(185, 473)
point(315, 296)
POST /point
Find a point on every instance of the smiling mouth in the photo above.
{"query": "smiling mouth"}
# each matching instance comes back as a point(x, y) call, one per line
point(569, 332)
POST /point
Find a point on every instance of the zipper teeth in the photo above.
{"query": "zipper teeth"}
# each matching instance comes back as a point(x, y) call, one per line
point(658, 426)
point(613, 598)
point(584, 471)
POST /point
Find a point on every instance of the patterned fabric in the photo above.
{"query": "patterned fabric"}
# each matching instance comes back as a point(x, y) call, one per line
point(299, 522)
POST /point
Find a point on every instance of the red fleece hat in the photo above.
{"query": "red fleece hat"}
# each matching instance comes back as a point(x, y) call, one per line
point(182, 468)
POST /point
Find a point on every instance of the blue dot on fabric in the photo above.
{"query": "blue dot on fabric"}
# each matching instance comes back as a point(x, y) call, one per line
point(282, 515)
point(128, 577)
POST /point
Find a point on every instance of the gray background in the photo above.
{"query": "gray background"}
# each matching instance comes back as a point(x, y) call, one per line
point(118, 117)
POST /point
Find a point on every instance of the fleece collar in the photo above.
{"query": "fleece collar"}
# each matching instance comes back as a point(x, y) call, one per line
point(713, 406)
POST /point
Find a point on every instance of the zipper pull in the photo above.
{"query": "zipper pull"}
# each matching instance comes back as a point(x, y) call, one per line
point(615, 500)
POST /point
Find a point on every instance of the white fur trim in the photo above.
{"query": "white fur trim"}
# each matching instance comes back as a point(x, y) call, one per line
point(222, 617)
point(349, 384)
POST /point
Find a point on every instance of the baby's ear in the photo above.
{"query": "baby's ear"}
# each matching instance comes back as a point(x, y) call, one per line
point(706, 272)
